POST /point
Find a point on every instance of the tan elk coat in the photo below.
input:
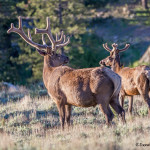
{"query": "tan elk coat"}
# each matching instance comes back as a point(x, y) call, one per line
point(135, 81)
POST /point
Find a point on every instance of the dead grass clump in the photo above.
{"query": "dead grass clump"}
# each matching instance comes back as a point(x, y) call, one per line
point(6, 142)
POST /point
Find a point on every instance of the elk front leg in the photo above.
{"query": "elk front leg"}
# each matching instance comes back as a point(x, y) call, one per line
point(130, 105)
point(61, 110)
point(68, 114)
point(122, 100)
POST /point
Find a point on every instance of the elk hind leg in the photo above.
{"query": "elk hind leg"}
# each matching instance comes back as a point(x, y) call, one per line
point(146, 98)
point(107, 112)
point(143, 88)
point(111, 115)
point(119, 110)
point(68, 114)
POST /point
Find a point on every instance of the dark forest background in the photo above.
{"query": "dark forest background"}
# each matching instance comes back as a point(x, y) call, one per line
point(90, 23)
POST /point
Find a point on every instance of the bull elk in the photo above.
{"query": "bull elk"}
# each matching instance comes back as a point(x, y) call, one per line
point(135, 81)
point(77, 87)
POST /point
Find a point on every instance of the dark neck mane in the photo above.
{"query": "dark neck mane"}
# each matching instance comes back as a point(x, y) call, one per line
point(116, 66)
point(47, 69)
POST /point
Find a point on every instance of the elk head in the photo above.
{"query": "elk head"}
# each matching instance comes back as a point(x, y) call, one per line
point(114, 59)
point(49, 52)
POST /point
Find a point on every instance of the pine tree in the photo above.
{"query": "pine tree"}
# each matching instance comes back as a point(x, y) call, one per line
point(73, 17)
point(69, 16)
point(8, 13)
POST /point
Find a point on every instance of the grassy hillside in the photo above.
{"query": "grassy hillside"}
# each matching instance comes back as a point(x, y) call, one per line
point(33, 123)
point(89, 26)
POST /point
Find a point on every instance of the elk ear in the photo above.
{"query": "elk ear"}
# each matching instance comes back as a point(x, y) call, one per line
point(42, 52)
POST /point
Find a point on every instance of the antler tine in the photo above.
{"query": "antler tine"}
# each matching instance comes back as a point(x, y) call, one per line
point(55, 44)
point(114, 46)
point(64, 43)
point(29, 34)
point(20, 22)
point(64, 38)
point(106, 47)
point(43, 39)
point(47, 31)
point(12, 25)
point(28, 38)
point(56, 37)
point(11, 28)
point(125, 48)
point(58, 41)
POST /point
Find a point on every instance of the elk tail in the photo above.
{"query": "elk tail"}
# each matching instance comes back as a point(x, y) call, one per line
point(116, 79)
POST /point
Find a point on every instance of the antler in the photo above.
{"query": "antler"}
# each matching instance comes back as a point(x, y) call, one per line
point(55, 44)
point(65, 42)
point(28, 38)
point(125, 48)
point(58, 41)
point(106, 47)
point(114, 46)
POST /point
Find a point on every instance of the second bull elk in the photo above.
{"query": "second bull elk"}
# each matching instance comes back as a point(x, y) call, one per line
point(135, 81)
point(78, 87)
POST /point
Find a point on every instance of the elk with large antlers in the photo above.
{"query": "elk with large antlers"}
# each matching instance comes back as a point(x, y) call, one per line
point(78, 87)
point(135, 81)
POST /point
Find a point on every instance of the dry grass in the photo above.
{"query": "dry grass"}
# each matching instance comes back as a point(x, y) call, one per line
point(33, 123)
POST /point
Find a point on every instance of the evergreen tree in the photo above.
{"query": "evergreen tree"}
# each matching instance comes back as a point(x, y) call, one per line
point(24, 64)
point(8, 69)
point(70, 16)
point(97, 3)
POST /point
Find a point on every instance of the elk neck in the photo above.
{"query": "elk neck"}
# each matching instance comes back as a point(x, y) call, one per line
point(47, 69)
point(116, 67)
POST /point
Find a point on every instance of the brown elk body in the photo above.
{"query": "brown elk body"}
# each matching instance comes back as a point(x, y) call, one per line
point(135, 81)
point(78, 87)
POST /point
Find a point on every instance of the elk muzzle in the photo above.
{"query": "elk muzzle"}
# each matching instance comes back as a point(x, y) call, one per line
point(102, 63)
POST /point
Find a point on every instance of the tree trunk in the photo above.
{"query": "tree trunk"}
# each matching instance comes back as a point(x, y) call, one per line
point(60, 21)
point(145, 4)
point(60, 13)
